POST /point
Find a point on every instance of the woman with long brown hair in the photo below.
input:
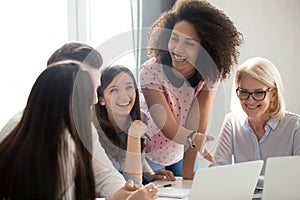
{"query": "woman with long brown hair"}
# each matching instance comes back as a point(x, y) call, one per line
point(44, 156)
point(121, 125)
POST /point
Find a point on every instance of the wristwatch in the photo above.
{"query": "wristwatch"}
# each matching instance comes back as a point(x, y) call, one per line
point(189, 139)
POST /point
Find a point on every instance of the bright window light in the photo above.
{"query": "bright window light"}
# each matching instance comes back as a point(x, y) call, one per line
point(30, 32)
point(111, 31)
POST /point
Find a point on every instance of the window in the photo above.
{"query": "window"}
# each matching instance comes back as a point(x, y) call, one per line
point(30, 32)
point(111, 31)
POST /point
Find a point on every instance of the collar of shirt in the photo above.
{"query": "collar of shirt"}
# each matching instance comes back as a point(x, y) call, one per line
point(270, 125)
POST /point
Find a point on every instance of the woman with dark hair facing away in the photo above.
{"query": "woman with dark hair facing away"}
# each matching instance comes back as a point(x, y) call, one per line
point(121, 125)
point(192, 47)
point(44, 156)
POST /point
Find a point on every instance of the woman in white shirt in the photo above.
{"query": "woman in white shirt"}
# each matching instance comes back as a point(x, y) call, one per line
point(264, 128)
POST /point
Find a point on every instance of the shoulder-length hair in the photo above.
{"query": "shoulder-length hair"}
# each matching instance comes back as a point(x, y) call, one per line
point(29, 155)
point(265, 71)
point(77, 51)
point(107, 75)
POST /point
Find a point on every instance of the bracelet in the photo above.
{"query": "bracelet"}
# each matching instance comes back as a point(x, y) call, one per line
point(189, 139)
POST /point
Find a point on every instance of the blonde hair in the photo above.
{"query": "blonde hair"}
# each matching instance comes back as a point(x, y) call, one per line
point(265, 71)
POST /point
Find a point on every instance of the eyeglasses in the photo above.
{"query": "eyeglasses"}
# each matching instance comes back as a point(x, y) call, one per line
point(257, 95)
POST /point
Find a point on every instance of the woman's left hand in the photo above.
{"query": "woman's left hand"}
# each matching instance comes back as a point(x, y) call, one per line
point(164, 175)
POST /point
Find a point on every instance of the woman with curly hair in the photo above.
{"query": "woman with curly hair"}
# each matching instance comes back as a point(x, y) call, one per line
point(192, 47)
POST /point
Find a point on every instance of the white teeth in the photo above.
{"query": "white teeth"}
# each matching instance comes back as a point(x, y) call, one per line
point(123, 104)
point(179, 58)
point(252, 107)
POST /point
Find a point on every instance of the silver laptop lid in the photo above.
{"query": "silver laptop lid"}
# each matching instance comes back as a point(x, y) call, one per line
point(227, 182)
point(282, 178)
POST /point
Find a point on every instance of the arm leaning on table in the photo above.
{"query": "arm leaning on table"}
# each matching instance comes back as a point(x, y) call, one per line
point(202, 105)
point(133, 160)
point(166, 122)
point(134, 155)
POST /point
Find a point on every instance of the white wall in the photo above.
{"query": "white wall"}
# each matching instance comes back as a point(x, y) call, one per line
point(271, 29)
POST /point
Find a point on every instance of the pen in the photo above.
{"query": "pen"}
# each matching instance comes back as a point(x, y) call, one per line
point(163, 186)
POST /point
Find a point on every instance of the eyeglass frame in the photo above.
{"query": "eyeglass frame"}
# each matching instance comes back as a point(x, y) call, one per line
point(250, 93)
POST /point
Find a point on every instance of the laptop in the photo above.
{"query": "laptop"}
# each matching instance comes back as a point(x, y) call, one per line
point(282, 178)
point(226, 182)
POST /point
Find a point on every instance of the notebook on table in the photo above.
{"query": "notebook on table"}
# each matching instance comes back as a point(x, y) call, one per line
point(227, 182)
point(282, 178)
point(174, 193)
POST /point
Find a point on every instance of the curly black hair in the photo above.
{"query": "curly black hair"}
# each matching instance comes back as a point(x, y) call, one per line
point(219, 37)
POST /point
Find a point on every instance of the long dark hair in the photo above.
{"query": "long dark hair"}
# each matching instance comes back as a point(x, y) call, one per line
point(29, 165)
point(107, 75)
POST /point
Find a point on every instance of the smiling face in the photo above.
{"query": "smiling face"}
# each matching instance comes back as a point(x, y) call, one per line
point(258, 110)
point(119, 96)
point(184, 47)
